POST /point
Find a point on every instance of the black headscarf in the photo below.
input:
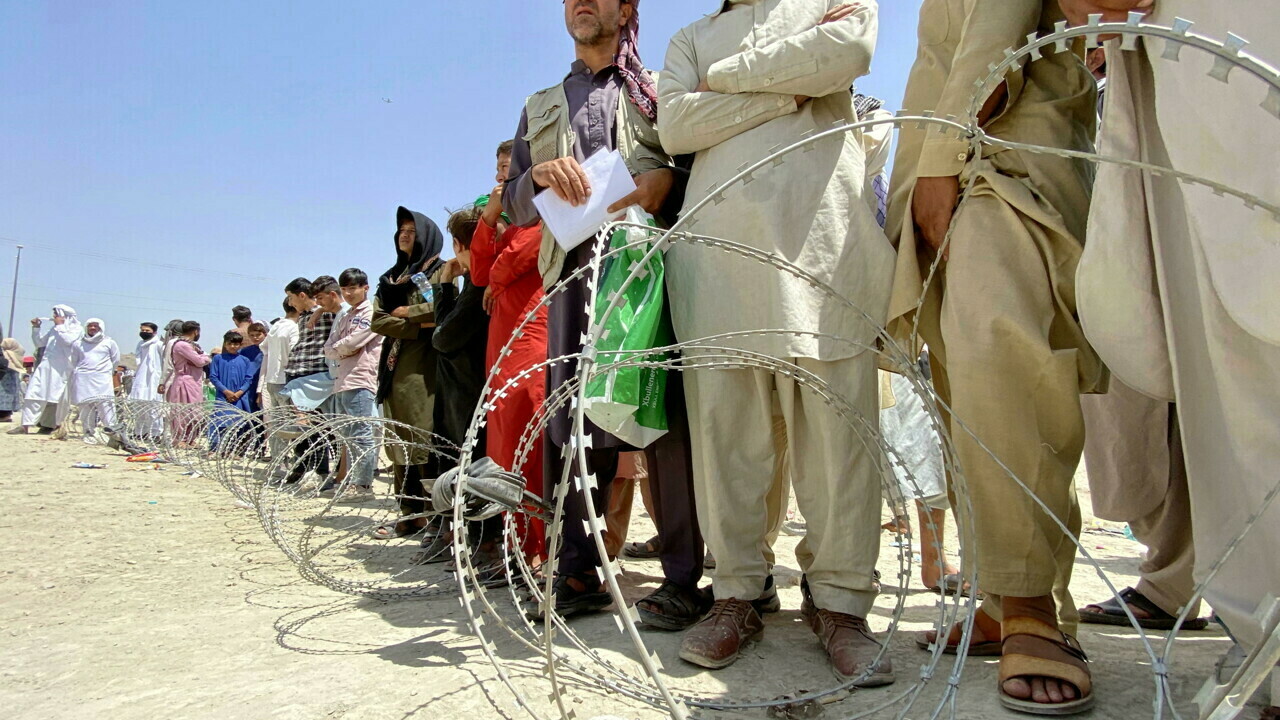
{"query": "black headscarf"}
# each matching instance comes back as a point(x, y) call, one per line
point(394, 286)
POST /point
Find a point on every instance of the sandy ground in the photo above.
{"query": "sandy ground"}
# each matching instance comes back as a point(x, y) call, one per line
point(131, 592)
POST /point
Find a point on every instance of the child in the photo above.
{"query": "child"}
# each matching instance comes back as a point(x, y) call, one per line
point(356, 349)
point(232, 377)
point(308, 385)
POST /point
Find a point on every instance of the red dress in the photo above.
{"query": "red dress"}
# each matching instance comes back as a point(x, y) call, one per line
point(508, 267)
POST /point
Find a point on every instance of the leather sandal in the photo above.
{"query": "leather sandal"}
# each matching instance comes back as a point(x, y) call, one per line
point(1033, 648)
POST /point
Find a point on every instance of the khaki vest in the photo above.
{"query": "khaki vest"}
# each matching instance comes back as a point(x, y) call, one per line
point(550, 137)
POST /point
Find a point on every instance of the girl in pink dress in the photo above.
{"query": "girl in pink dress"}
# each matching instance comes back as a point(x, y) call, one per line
point(185, 385)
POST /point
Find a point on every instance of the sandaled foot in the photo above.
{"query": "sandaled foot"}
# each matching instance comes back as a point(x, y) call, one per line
point(673, 607)
point(951, 584)
point(436, 547)
point(574, 596)
point(646, 550)
point(933, 573)
point(1043, 671)
point(984, 641)
point(490, 566)
point(19, 430)
point(398, 529)
point(898, 525)
point(391, 531)
point(1149, 615)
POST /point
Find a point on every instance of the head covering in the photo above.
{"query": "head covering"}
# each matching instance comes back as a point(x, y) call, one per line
point(102, 330)
point(172, 330)
point(394, 286)
point(14, 353)
point(483, 201)
point(866, 104)
point(73, 320)
point(640, 88)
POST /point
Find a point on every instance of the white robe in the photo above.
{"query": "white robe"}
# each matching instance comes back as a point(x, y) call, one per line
point(49, 380)
point(94, 364)
point(146, 379)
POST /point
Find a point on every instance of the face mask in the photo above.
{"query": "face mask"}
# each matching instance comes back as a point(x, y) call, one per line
point(146, 335)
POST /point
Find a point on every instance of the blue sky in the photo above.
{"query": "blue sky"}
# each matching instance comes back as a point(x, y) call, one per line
point(173, 159)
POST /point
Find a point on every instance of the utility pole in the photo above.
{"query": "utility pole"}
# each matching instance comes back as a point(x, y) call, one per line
point(13, 296)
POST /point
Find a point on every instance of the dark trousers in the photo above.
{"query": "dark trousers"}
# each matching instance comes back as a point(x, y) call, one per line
point(409, 483)
point(313, 454)
point(670, 464)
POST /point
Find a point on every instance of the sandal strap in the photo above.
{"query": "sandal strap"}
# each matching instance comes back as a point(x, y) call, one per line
point(1032, 648)
point(1142, 602)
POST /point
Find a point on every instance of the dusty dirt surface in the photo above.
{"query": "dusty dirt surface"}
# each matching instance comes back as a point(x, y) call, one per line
point(131, 592)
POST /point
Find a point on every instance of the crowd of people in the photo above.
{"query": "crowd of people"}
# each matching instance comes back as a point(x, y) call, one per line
point(1025, 332)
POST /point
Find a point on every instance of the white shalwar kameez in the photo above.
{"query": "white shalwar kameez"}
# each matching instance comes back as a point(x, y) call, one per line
point(49, 379)
point(95, 359)
point(146, 384)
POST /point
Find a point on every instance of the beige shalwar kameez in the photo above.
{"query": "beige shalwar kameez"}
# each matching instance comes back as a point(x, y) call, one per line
point(1179, 291)
point(756, 56)
point(999, 318)
point(1133, 452)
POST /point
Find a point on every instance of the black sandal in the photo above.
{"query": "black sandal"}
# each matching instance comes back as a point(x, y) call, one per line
point(1112, 613)
point(435, 548)
point(570, 601)
point(673, 607)
point(646, 550)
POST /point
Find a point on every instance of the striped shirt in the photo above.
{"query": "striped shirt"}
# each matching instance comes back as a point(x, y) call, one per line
point(307, 357)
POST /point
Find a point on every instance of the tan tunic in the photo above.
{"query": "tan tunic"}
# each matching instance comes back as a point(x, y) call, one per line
point(999, 317)
point(756, 56)
point(1050, 103)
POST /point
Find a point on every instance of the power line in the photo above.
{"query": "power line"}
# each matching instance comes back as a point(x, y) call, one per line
point(29, 298)
point(135, 261)
point(82, 291)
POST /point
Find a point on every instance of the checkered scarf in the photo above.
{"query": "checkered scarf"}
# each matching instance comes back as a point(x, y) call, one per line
point(640, 88)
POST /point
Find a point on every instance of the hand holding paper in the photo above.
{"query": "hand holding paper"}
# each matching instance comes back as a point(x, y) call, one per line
point(609, 182)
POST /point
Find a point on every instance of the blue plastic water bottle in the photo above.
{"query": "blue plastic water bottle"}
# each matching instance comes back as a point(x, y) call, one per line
point(424, 286)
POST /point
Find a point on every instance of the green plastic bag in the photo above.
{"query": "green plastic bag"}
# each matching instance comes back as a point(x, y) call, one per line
point(630, 402)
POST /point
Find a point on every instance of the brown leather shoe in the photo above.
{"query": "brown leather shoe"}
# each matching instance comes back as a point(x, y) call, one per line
point(715, 641)
point(849, 644)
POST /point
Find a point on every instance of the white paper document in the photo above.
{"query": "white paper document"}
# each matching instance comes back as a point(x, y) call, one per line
point(610, 182)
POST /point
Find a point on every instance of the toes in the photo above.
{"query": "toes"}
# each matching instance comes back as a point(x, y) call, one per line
point(1053, 689)
point(1038, 692)
point(1017, 688)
